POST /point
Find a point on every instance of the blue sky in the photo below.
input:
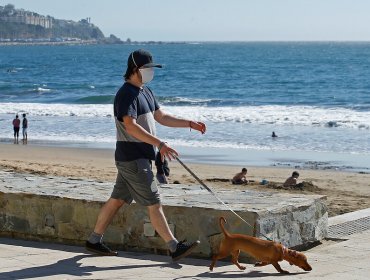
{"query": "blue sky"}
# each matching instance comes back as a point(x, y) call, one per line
point(217, 20)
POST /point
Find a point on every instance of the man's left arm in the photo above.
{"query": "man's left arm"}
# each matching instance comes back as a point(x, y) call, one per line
point(172, 121)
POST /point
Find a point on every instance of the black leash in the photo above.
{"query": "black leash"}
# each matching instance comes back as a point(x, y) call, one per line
point(208, 189)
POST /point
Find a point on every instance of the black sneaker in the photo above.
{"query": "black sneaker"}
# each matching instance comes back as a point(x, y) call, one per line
point(183, 249)
point(100, 248)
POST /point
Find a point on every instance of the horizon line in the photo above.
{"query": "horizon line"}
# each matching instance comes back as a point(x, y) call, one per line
point(252, 41)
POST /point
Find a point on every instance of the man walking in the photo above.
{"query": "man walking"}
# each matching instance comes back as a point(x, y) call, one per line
point(135, 111)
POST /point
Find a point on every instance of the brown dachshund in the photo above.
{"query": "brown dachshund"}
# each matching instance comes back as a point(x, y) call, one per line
point(264, 251)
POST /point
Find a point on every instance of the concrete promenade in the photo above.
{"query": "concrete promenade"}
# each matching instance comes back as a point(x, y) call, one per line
point(64, 210)
point(349, 259)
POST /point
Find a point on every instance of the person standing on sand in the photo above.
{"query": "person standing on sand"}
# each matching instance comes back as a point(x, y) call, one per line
point(24, 129)
point(16, 125)
point(135, 112)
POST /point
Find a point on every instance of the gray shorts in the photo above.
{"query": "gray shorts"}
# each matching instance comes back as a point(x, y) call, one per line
point(135, 181)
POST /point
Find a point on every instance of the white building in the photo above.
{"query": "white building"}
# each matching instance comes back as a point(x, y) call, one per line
point(21, 16)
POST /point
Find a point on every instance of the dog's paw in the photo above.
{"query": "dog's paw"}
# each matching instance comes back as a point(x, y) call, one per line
point(242, 267)
point(285, 272)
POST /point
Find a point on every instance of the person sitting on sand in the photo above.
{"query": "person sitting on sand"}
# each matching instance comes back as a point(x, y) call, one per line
point(240, 178)
point(292, 181)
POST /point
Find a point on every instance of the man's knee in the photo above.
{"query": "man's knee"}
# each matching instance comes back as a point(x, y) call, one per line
point(155, 207)
point(115, 203)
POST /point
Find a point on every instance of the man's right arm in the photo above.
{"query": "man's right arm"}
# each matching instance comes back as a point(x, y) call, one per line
point(138, 132)
point(141, 134)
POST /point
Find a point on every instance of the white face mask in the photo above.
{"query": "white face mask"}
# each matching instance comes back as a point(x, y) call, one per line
point(147, 75)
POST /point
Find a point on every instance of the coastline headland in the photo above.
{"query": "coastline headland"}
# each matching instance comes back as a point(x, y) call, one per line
point(28, 27)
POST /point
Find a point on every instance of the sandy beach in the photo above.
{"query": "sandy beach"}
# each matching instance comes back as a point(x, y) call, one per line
point(345, 191)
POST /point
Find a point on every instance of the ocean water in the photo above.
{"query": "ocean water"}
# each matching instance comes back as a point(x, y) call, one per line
point(315, 96)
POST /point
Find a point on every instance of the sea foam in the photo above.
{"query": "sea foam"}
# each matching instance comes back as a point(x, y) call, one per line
point(271, 114)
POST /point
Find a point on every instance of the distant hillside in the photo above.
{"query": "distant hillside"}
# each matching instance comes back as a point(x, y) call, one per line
point(18, 24)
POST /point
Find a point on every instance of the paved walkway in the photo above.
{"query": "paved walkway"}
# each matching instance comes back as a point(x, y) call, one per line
point(345, 259)
point(20, 259)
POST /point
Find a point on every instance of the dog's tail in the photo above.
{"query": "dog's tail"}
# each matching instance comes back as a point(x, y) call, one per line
point(222, 222)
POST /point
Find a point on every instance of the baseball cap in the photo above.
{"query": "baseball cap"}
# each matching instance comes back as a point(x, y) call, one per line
point(141, 58)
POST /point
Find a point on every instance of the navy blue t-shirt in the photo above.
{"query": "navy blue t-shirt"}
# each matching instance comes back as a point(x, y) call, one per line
point(140, 104)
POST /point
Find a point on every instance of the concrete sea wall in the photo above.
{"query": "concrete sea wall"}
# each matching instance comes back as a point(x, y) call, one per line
point(65, 210)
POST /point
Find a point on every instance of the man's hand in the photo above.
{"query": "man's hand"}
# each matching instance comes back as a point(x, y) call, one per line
point(167, 152)
point(198, 126)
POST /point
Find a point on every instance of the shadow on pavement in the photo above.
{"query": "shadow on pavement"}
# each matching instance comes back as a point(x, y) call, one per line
point(236, 275)
point(71, 267)
point(124, 254)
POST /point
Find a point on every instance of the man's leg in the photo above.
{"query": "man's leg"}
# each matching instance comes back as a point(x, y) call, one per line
point(178, 249)
point(105, 217)
point(107, 214)
point(159, 222)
